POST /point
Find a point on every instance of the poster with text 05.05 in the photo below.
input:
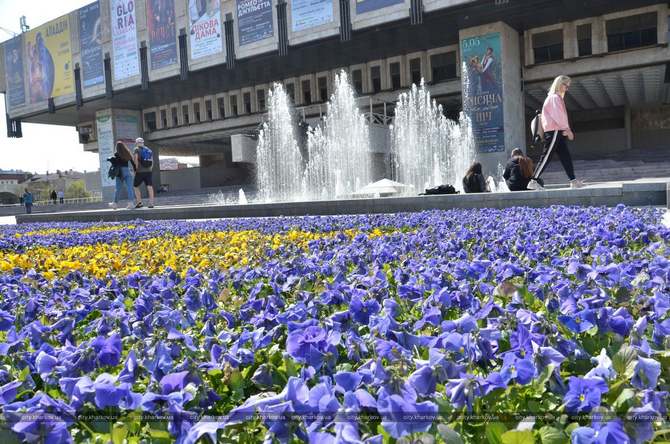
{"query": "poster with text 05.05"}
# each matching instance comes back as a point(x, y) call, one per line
point(482, 91)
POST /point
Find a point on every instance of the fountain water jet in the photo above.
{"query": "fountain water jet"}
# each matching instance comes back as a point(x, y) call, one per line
point(339, 148)
point(428, 148)
point(279, 164)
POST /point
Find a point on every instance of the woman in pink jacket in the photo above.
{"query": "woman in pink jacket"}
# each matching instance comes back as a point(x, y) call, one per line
point(557, 131)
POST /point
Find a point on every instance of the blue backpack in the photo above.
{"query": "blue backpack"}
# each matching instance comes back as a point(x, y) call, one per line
point(146, 157)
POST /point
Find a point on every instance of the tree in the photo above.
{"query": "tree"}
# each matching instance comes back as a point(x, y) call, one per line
point(76, 189)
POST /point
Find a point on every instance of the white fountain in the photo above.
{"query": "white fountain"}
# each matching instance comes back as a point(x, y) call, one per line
point(339, 147)
point(428, 148)
point(279, 164)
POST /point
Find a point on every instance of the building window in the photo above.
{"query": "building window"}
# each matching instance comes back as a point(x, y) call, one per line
point(184, 112)
point(632, 32)
point(233, 105)
point(548, 46)
point(415, 70)
point(260, 98)
point(290, 90)
point(443, 66)
point(150, 121)
point(164, 118)
point(222, 107)
point(306, 92)
point(175, 117)
point(196, 111)
point(208, 109)
point(394, 73)
point(246, 98)
point(357, 80)
point(584, 40)
point(322, 83)
point(376, 79)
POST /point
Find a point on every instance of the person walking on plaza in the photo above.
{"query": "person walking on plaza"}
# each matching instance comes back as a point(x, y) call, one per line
point(518, 171)
point(28, 201)
point(53, 196)
point(474, 181)
point(61, 196)
point(557, 132)
point(143, 158)
point(120, 162)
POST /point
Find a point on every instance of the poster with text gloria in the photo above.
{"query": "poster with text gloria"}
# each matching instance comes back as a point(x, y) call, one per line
point(205, 28)
point(49, 60)
point(482, 91)
point(126, 57)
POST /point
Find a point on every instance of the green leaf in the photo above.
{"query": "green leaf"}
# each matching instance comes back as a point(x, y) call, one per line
point(119, 432)
point(494, 432)
point(552, 435)
point(449, 435)
point(626, 394)
point(624, 361)
point(518, 437)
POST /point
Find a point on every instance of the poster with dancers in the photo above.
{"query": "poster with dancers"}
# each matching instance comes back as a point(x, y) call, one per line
point(16, 92)
point(90, 39)
point(482, 91)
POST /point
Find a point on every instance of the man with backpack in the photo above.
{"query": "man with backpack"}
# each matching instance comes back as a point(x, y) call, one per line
point(143, 157)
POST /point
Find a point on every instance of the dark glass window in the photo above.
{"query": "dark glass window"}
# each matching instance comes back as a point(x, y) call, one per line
point(394, 73)
point(584, 39)
point(222, 107)
point(548, 46)
point(233, 105)
point(150, 121)
point(246, 98)
point(164, 118)
point(306, 92)
point(196, 111)
point(175, 117)
point(290, 90)
point(185, 116)
point(631, 32)
point(208, 109)
point(357, 80)
point(443, 66)
point(376, 79)
point(260, 98)
point(322, 83)
point(415, 71)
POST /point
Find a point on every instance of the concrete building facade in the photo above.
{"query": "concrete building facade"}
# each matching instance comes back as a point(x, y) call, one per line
point(207, 97)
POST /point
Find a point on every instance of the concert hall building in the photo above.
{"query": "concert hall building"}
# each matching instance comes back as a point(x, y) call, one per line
point(192, 76)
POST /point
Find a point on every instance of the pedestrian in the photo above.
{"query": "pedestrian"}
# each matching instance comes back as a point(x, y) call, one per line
point(143, 158)
point(53, 196)
point(557, 132)
point(518, 171)
point(121, 162)
point(28, 201)
point(61, 196)
point(474, 181)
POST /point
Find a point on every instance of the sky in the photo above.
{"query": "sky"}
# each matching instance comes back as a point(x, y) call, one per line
point(42, 147)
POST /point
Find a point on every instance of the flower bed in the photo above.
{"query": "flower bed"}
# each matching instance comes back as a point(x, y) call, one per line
point(500, 326)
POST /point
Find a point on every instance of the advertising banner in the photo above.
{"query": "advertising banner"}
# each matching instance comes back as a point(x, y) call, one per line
point(482, 91)
point(162, 33)
point(91, 45)
point(105, 148)
point(49, 60)
point(126, 56)
point(306, 14)
point(254, 20)
point(205, 28)
point(16, 93)
point(363, 6)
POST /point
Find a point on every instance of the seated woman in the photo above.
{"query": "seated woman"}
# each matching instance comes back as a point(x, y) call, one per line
point(474, 181)
point(518, 171)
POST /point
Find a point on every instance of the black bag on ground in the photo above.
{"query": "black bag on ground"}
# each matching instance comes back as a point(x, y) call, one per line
point(441, 189)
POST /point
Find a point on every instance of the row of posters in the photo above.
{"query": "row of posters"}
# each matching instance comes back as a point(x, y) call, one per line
point(48, 56)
